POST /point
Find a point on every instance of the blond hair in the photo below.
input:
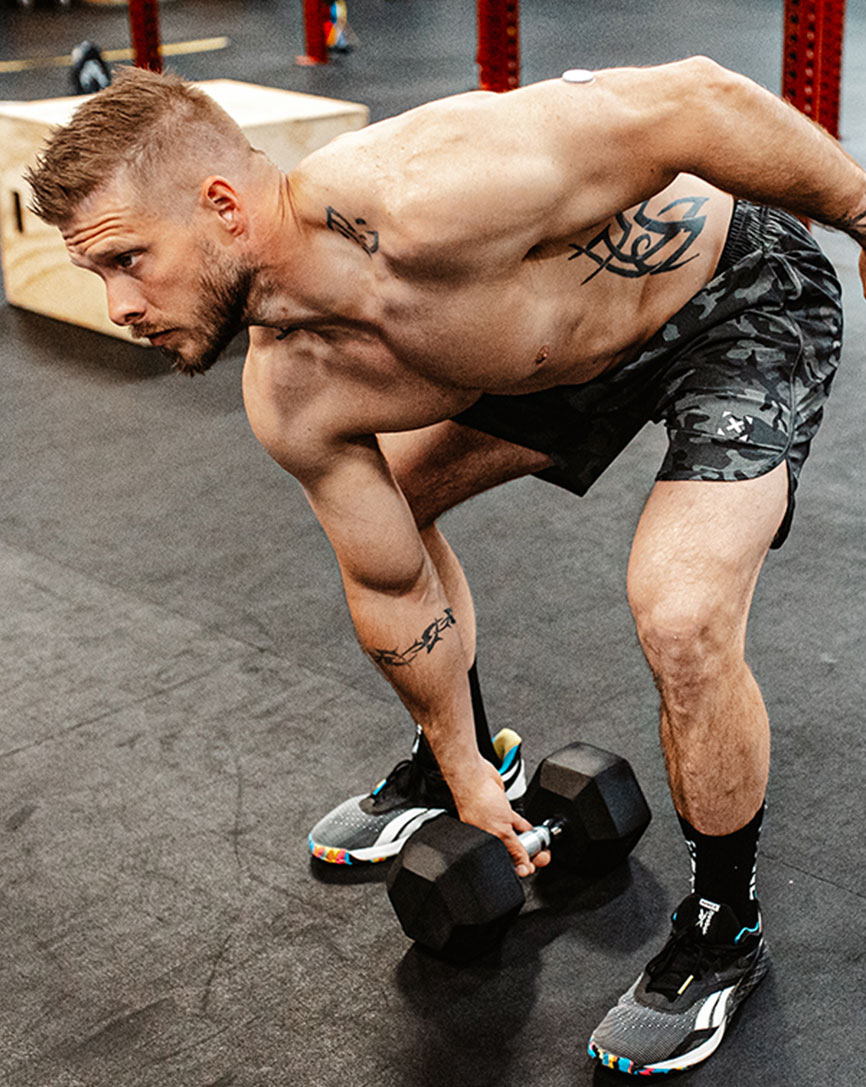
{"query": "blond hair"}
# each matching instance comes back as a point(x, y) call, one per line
point(151, 125)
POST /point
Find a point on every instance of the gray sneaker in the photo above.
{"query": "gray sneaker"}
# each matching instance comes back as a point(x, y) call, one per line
point(375, 826)
point(675, 1014)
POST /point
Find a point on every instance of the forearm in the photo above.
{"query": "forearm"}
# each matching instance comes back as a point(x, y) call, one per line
point(757, 146)
point(413, 638)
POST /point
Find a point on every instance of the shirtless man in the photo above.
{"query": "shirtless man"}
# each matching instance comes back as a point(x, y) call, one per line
point(496, 286)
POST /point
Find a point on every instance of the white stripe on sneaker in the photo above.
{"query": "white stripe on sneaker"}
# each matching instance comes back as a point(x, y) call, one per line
point(515, 789)
point(420, 820)
point(394, 829)
point(713, 1015)
point(381, 852)
point(694, 1056)
point(713, 1011)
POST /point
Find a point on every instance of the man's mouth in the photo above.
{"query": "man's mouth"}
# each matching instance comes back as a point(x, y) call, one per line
point(159, 338)
point(155, 335)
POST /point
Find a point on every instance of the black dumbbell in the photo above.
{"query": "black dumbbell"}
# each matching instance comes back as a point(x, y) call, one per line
point(454, 887)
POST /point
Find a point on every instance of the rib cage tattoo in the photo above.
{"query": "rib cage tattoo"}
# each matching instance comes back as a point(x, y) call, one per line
point(645, 245)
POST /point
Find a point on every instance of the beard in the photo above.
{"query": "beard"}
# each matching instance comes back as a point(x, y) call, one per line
point(223, 311)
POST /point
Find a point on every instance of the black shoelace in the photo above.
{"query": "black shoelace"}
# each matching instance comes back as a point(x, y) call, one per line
point(415, 777)
point(685, 957)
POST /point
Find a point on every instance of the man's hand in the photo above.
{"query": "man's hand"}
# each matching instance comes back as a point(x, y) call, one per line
point(482, 802)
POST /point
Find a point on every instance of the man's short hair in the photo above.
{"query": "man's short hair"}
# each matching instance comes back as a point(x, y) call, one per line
point(143, 122)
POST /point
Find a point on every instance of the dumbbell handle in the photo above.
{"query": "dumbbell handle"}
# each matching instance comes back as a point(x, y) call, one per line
point(540, 837)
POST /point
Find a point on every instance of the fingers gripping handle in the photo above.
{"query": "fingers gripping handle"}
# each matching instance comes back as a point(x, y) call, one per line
point(540, 837)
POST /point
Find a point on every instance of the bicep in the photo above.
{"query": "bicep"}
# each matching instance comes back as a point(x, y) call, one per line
point(348, 482)
point(366, 518)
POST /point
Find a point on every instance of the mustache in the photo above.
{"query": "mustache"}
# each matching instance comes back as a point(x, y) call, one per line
point(142, 332)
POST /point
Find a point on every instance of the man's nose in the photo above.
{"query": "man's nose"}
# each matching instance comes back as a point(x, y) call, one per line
point(125, 304)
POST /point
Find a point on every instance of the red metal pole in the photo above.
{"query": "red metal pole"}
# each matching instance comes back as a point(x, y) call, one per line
point(498, 54)
point(831, 65)
point(144, 29)
point(316, 13)
point(812, 58)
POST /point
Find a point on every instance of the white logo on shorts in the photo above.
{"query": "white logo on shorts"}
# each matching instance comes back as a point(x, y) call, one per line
point(740, 430)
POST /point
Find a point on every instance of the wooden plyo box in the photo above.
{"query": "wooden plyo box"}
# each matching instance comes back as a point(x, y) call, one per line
point(37, 273)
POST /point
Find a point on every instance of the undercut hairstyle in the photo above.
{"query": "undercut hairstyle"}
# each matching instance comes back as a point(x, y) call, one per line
point(150, 125)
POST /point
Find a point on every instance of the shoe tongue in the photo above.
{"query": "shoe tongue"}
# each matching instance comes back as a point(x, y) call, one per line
point(716, 923)
point(709, 914)
point(411, 783)
point(699, 924)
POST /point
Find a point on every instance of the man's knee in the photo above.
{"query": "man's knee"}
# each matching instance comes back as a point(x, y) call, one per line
point(689, 636)
point(692, 573)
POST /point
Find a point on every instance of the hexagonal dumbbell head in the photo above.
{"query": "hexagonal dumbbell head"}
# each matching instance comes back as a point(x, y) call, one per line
point(599, 796)
point(454, 888)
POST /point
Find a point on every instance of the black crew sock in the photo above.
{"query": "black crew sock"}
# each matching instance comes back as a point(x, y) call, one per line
point(723, 866)
point(482, 730)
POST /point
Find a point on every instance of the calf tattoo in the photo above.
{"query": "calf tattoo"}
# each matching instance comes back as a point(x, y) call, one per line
point(355, 230)
point(644, 246)
point(425, 644)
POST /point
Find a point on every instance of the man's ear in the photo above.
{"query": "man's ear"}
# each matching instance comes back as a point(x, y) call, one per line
point(220, 196)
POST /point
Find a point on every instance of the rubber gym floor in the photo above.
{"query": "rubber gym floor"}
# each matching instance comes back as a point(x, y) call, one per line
point(182, 694)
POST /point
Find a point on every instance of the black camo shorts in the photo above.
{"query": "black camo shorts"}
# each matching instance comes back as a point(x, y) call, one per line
point(739, 375)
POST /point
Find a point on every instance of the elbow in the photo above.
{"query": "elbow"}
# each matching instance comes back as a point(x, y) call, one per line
point(707, 100)
point(703, 71)
point(707, 81)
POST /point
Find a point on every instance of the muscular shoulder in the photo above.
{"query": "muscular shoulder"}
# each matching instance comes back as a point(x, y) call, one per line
point(422, 186)
point(284, 395)
point(476, 178)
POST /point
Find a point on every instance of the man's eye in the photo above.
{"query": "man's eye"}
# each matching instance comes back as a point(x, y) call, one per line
point(126, 260)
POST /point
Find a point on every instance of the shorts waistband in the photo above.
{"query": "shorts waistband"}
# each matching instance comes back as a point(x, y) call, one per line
point(745, 234)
